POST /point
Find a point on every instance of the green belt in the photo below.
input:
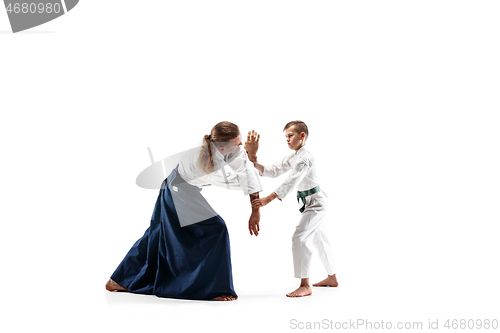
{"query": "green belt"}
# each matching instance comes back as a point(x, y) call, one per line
point(303, 194)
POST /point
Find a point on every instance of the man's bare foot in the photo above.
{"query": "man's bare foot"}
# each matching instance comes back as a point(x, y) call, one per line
point(330, 281)
point(300, 292)
point(112, 286)
point(225, 298)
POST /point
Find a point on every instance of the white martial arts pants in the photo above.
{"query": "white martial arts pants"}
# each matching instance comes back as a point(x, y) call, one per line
point(312, 231)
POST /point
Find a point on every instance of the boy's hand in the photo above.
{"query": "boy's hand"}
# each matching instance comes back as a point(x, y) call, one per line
point(253, 223)
point(257, 203)
point(252, 145)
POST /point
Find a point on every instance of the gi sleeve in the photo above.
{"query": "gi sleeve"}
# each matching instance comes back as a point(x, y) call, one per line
point(277, 169)
point(298, 173)
point(246, 174)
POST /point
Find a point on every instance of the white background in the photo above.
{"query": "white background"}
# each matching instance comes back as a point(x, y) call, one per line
point(402, 103)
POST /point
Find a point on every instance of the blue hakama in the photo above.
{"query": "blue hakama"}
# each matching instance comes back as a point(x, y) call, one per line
point(190, 262)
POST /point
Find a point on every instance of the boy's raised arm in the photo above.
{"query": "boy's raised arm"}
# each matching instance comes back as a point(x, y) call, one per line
point(252, 145)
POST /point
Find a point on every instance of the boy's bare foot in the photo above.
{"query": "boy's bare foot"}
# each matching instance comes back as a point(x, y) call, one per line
point(225, 298)
point(330, 281)
point(112, 286)
point(300, 292)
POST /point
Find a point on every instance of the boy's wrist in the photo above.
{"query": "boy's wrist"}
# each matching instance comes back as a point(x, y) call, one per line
point(271, 197)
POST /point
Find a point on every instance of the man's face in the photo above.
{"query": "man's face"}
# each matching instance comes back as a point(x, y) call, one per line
point(231, 146)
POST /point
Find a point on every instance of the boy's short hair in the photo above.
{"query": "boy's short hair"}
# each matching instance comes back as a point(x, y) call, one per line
point(300, 127)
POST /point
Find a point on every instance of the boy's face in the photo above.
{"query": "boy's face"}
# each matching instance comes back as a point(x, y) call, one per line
point(293, 138)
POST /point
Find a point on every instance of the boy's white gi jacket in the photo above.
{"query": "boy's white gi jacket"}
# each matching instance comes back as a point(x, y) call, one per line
point(303, 172)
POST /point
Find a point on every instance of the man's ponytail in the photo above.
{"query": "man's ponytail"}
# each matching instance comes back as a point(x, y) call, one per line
point(206, 158)
point(222, 132)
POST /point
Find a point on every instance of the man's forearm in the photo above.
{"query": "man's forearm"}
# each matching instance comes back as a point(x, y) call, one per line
point(254, 196)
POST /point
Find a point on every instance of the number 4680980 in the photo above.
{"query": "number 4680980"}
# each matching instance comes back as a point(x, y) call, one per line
point(33, 8)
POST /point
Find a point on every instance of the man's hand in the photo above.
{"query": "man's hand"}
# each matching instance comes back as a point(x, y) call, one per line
point(253, 223)
point(252, 145)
